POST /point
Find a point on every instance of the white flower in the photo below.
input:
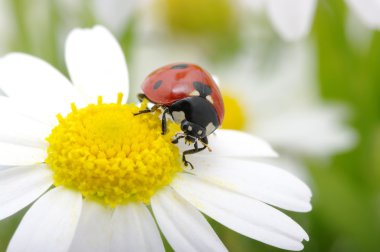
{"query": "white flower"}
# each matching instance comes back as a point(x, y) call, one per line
point(114, 13)
point(292, 19)
point(239, 193)
point(282, 105)
point(367, 10)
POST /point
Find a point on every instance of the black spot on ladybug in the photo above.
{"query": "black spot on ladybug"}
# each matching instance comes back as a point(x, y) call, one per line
point(202, 88)
point(157, 84)
point(180, 66)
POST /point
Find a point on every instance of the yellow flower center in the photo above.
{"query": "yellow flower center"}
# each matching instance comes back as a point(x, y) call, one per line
point(235, 115)
point(112, 156)
point(216, 17)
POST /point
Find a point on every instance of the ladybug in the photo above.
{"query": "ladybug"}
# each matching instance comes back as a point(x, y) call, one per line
point(191, 97)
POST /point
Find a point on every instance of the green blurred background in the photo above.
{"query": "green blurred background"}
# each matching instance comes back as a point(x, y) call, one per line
point(346, 188)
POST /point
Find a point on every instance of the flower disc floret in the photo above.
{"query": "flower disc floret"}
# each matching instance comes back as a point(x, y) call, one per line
point(112, 156)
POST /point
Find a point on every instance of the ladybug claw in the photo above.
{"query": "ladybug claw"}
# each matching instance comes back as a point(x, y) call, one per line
point(188, 163)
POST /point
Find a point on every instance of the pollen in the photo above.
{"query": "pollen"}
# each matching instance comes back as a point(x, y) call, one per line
point(235, 114)
point(111, 156)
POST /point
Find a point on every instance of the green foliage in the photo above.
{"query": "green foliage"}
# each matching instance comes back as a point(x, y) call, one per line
point(346, 202)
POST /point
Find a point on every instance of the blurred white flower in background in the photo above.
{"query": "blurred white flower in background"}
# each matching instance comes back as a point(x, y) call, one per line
point(282, 104)
point(291, 19)
point(368, 11)
point(115, 14)
point(362, 19)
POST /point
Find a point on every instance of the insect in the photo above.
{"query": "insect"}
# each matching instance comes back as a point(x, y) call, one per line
point(191, 97)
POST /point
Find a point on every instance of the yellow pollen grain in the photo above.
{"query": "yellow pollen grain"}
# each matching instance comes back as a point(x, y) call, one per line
point(235, 114)
point(112, 156)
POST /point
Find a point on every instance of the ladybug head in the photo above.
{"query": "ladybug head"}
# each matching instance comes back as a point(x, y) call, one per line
point(192, 131)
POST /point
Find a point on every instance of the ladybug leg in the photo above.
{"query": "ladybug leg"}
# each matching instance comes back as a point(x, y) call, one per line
point(141, 97)
point(193, 151)
point(175, 140)
point(154, 108)
point(163, 122)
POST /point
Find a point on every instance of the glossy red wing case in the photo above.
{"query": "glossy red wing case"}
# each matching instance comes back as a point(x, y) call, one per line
point(174, 82)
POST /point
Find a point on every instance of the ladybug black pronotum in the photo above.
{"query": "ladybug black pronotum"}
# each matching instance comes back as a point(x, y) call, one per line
point(191, 97)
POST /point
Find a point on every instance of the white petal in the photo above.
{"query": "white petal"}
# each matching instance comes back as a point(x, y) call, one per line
point(12, 154)
point(18, 129)
point(367, 10)
point(232, 143)
point(31, 111)
point(134, 229)
point(50, 223)
point(4, 167)
point(291, 18)
point(93, 230)
point(292, 165)
point(183, 226)
point(260, 181)
point(242, 214)
point(96, 64)
point(20, 186)
point(33, 81)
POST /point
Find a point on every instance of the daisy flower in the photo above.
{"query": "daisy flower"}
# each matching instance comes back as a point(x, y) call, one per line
point(291, 19)
point(115, 14)
point(283, 105)
point(95, 175)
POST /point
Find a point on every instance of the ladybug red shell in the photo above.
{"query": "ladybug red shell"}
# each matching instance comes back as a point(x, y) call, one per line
point(174, 82)
point(191, 97)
